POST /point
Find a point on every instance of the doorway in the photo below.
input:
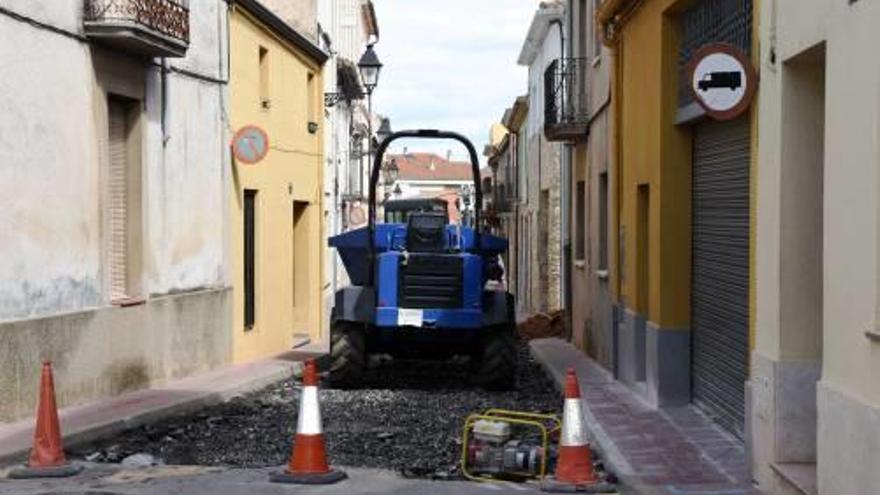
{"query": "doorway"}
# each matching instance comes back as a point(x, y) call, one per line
point(801, 262)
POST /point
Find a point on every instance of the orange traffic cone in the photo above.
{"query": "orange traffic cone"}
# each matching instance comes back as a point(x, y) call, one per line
point(574, 466)
point(308, 462)
point(47, 455)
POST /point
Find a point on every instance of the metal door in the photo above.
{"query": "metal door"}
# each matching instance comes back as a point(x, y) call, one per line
point(720, 270)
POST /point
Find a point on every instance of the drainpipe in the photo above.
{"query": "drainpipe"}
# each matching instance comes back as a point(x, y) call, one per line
point(164, 118)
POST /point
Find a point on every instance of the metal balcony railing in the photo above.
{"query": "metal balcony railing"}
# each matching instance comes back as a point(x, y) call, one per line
point(566, 114)
point(148, 27)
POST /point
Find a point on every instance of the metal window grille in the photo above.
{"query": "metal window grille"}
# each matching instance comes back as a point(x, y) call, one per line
point(712, 21)
point(168, 17)
point(565, 92)
point(581, 219)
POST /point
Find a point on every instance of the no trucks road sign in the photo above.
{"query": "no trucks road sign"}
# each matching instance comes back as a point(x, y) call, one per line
point(723, 80)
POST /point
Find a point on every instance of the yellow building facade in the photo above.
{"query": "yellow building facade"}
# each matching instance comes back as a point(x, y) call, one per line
point(682, 215)
point(276, 232)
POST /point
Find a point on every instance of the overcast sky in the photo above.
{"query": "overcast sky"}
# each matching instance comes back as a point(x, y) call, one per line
point(450, 64)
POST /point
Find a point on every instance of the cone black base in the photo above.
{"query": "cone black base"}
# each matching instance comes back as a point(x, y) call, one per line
point(332, 476)
point(63, 471)
point(549, 484)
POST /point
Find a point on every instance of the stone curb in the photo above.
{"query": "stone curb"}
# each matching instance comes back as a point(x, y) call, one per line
point(548, 353)
point(15, 442)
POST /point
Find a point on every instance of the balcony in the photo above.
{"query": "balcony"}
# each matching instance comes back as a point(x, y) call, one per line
point(566, 115)
point(152, 28)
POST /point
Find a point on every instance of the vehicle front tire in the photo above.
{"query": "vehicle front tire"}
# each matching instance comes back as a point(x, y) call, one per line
point(495, 366)
point(348, 355)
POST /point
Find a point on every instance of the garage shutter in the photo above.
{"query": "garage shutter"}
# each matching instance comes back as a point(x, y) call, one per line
point(117, 200)
point(720, 276)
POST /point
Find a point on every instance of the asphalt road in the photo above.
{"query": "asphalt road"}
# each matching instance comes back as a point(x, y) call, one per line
point(106, 479)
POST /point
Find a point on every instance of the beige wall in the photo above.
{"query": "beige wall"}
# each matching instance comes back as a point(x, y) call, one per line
point(289, 274)
point(111, 350)
point(825, 67)
point(301, 14)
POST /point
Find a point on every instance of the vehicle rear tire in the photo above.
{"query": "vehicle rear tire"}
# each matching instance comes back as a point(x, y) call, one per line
point(495, 366)
point(348, 355)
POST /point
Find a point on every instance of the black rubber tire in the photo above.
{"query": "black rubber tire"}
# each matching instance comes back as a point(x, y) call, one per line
point(348, 357)
point(495, 366)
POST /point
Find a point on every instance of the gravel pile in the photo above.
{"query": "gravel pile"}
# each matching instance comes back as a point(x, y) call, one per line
point(407, 418)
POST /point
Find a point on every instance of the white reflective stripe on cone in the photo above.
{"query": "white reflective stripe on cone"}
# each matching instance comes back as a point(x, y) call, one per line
point(309, 420)
point(573, 432)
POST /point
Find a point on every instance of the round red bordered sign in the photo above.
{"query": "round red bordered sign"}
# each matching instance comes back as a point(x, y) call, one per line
point(250, 144)
point(722, 80)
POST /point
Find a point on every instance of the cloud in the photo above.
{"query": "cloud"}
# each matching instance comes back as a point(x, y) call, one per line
point(450, 64)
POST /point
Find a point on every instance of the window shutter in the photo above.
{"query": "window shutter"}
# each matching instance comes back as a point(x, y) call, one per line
point(117, 199)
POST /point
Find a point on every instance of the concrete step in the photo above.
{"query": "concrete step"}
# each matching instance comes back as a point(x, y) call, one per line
point(798, 478)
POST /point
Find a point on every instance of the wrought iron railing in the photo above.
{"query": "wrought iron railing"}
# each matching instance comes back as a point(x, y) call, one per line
point(168, 17)
point(565, 94)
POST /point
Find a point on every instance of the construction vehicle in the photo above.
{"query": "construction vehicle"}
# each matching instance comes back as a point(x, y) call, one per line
point(398, 210)
point(419, 290)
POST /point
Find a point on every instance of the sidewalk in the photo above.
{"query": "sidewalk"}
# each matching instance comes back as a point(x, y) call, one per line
point(674, 451)
point(106, 417)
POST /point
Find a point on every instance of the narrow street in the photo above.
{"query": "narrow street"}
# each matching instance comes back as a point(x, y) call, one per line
point(459, 247)
point(399, 434)
point(407, 419)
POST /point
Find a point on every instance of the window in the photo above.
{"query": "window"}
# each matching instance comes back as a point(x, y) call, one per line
point(300, 263)
point(603, 221)
point(643, 232)
point(123, 193)
point(580, 219)
point(265, 101)
point(250, 257)
point(313, 99)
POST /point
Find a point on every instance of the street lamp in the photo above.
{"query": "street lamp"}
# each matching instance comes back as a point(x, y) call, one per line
point(392, 172)
point(384, 131)
point(466, 193)
point(369, 67)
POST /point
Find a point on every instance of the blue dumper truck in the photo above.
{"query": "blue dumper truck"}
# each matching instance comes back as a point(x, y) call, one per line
point(419, 290)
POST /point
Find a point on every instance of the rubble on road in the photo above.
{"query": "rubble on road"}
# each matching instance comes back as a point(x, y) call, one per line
point(406, 418)
point(542, 325)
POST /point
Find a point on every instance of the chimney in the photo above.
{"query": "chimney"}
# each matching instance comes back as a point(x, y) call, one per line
point(448, 155)
point(405, 150)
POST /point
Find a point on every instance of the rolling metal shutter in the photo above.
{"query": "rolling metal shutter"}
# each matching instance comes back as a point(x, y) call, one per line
point(117, 200)
point(720, 276)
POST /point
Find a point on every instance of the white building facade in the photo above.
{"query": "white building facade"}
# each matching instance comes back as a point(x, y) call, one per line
point(543, 212)
point(346, 27)
point(113, 219)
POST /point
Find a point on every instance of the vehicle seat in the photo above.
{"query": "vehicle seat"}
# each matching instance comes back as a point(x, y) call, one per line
point(426, 232)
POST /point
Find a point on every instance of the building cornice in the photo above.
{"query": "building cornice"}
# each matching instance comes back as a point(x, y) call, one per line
point(282, 29)
point(546, 13)
point(611, 17)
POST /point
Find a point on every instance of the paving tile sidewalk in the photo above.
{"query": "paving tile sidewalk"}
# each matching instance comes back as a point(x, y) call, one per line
point(106, 417)
point(675, 451)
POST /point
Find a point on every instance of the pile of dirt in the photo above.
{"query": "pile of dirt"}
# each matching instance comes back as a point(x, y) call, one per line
point(543, 325)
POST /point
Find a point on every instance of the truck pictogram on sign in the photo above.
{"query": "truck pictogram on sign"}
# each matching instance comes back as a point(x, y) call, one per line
point(723, 80)
point(730, 80)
